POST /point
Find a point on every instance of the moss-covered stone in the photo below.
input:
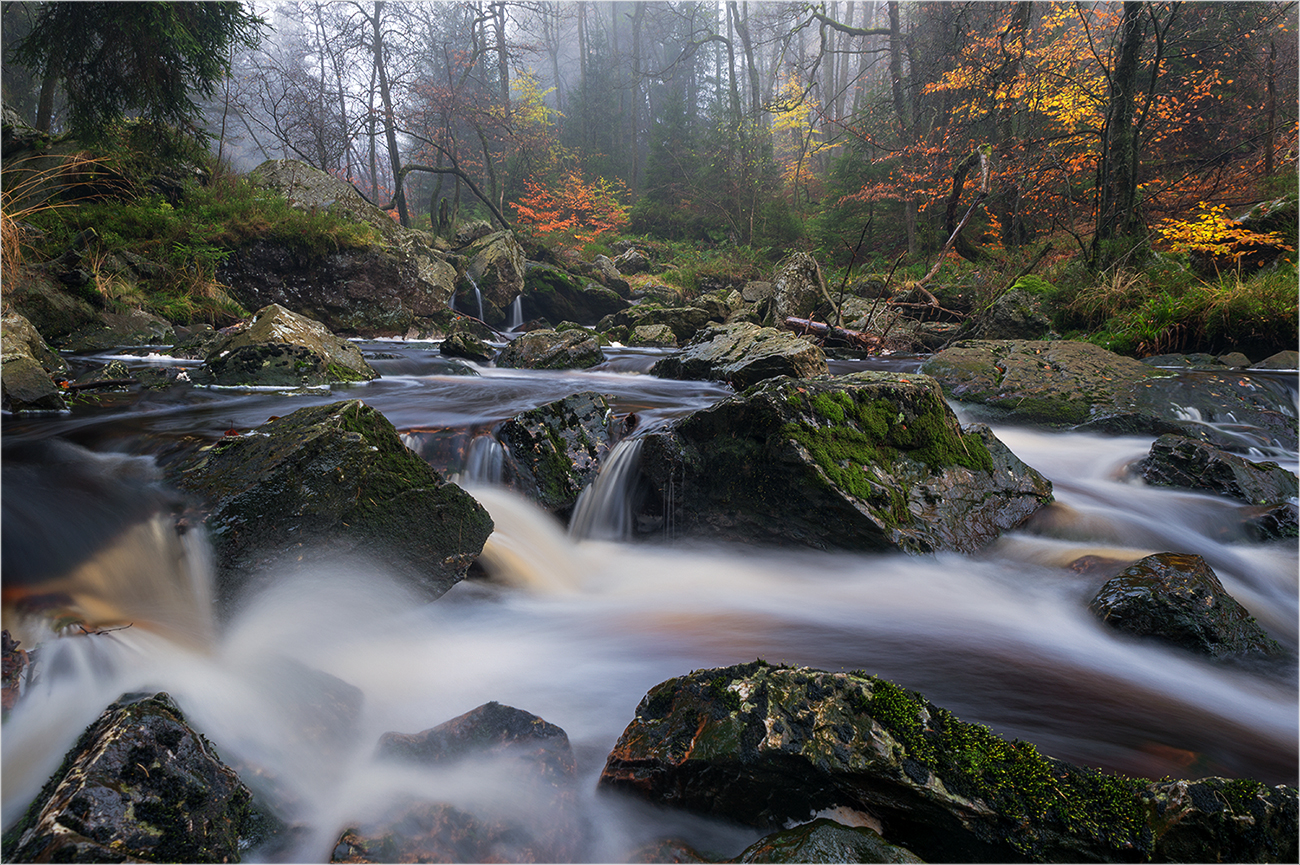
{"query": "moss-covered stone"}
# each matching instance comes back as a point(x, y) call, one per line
point(1070, 384)
point(824, 840)
point(139, 785)
point(549, 349)
point(330, 479)
point(865, 461)
point(791, 741)
point(281, 348)
point(743, 354)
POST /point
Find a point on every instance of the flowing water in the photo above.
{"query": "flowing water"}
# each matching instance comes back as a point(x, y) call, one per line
point(576, 625)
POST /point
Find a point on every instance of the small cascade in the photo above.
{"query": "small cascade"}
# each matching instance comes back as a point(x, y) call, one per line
point(604, 508)
point(478, 295)
point(485, 460)
point(516, 313)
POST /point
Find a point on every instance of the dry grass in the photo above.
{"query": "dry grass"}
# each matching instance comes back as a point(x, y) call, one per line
point(29, 187)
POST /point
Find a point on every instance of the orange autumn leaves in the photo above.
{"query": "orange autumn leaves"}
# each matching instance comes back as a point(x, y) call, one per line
point(572, 207)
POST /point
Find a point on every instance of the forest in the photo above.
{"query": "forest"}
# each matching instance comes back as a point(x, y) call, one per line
point(1108, 147)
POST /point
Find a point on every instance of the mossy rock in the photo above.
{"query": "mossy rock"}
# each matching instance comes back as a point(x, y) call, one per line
point(277, 347)
point(140, 785)
point(824, 840)
point(556, 449)
point(325, 481)
point(1178, 599)
point(767, 745)
point(1067, 384)
point(869, 461)
point(549, 349)
point(742, 355)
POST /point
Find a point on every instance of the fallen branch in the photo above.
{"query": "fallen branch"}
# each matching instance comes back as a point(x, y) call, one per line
point(853, 337)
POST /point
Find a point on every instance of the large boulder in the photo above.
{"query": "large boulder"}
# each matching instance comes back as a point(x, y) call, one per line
point(766, 745)
point(502, 740)
point(549, 349)
point(139, 786)
point(496, 265)
point(328, 480)
point(555, 295)
point(26, 368)
point(1177, 598)
point(556, 449)
point(869, 461)
point(1178, 461)
point(282, 348)
point(798, 288)
point(402, 284)
point(824, 840)
point(743, 354)
point(1072, 384)
point(684, 321)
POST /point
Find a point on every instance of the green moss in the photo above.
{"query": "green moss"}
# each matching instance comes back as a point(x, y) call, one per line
point(852, 431)
point(1032, 792)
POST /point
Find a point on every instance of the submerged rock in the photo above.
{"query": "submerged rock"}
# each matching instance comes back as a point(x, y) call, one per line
point(532, 760)
point(556, 449)
point(1177, 461)
point(742, 355)
point(870, 461)
point(1179, 599)
point(140, 785)
point(326, 480)
point(1070, 384)
point(762, 745)
point(549, 349)
point(281, 348)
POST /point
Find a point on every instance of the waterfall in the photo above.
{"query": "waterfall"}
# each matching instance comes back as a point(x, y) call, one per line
point(604, 508)
point(485, 460)
point(478, 295)
point(516, 313)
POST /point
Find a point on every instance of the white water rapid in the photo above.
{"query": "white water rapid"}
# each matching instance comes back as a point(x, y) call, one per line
point(575, 627)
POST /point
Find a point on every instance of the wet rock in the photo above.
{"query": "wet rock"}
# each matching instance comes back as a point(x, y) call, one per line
point(1289, 359)
point(325, 481)
point(1221, 820)
point(27, 367)
point(667, 850)
point(556, 295)
point(26, 385)
point(653, 335)
point(506, 743)
point(279, 347)
point(18, 336)
point(113, 374)
point(113, 329)
point(368, 292)
point(798, 288)
point(14, 670)
point(742, 355)
point(35, 293)
point(556, 449)
point(1177, 598)
point(1177, 461)
point(140, 785)
point(398, 284)
point(467, 346)
point(762, 745)
point(684, 321)
point(1071, 384)
point(1196, 360)
point(824, 840)
point(549, 349)
point(1234, 360)
point(1275, 523)
point(496, 264)
point(870, 461)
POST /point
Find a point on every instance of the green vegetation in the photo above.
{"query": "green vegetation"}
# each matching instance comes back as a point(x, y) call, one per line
point(1030, 791)
point(160, 251)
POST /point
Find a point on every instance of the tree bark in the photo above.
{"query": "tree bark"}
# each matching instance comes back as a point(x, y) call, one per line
point(390, 121)
point(1118, 167)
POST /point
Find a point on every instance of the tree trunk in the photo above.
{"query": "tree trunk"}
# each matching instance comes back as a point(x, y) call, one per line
point(1117, 215)
point(390, 121)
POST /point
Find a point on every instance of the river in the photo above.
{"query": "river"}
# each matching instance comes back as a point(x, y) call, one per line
point(577, 630)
